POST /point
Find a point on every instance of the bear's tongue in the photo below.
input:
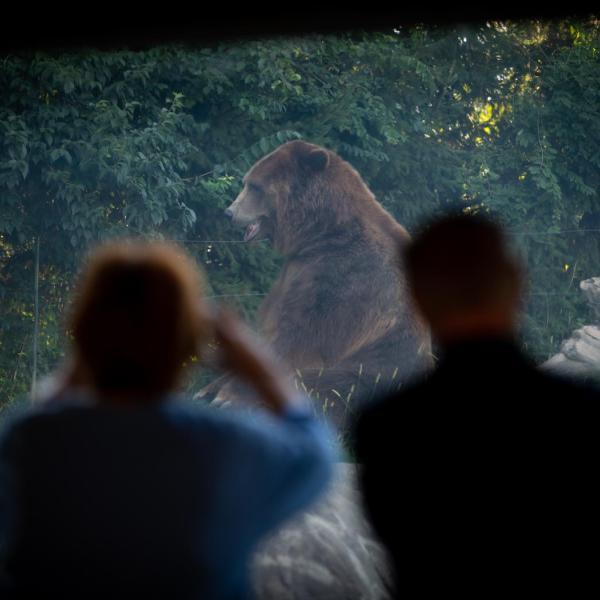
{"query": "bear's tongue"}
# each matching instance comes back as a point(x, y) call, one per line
point(251, 231)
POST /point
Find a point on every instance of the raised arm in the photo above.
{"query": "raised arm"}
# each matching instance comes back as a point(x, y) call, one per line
point(285, 459)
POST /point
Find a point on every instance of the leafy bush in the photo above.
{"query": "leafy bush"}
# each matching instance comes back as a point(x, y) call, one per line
point(93, 145)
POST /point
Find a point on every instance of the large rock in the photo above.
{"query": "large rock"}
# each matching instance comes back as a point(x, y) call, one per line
point(579, 355)
point(591, 291)
point(327, 552)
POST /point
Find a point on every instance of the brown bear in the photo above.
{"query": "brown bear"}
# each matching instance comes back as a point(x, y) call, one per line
point(338, 314)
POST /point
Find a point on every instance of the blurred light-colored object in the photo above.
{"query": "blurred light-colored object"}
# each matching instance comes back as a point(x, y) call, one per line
point(579, 355)
point(591, 291)
point(327, 552)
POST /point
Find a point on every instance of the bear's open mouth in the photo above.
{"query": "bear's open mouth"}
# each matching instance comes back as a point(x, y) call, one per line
point(252, 231)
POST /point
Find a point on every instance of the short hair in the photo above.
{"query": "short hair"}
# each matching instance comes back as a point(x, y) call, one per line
point(460, 262)
point(136, 316)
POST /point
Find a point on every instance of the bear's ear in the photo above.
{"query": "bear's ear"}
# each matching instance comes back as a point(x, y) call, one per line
point(316, 160)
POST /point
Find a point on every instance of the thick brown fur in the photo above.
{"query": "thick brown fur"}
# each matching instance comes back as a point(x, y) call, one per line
point(338, 314)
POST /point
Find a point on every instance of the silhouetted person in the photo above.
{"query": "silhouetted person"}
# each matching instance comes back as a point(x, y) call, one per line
point(481, 478)
point(114, 488)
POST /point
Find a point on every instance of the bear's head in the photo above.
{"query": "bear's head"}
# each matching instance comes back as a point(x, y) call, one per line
point(281, 188)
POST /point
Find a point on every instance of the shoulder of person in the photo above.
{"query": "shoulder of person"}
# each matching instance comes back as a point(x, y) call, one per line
point(29, 415)
point(19, 427)
point(400, 401)
point(563, 389)
point(244, 422)
point(381, 421)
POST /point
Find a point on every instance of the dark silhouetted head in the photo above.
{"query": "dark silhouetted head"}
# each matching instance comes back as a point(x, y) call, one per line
point(463, 278)
point(137, 318)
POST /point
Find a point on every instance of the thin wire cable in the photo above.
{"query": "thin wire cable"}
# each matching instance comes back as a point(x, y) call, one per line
point(508, 231)
point(237, 295)
point(182, 241)
point(552, 293)
point(560, 232)
point(36, 318)
point(567, 293)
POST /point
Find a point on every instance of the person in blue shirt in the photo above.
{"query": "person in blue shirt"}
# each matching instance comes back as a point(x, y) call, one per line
point(114, 488)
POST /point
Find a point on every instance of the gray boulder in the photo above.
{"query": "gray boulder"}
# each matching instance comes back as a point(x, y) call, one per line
point(591, 291)
point(579, 355)
point(327, 552)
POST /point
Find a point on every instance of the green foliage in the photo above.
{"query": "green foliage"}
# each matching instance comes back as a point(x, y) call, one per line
point(501, 117)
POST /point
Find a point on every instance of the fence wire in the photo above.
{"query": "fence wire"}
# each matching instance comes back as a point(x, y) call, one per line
point(510, 232)
point(19, 363)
